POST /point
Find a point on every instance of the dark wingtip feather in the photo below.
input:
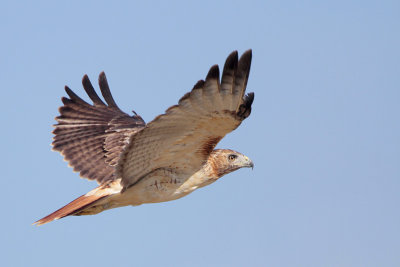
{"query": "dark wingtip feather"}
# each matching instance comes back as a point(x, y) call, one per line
point(68, 91)
point(248, 99)
point(248, 51)
point(65, 101)
point(213, 73)
point(105, 90)
point(245, 108)
point(87, 85)
point(231, 61)
point(74, 96)
point(198, 85)
point(102, 77)
point(245, 60)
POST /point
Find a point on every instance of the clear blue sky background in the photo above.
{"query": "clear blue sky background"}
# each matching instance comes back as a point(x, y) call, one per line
point(324, 133)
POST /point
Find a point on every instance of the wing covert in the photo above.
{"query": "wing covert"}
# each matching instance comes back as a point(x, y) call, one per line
point(183, 137)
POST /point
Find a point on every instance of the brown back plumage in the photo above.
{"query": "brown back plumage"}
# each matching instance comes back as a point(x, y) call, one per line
point(91, 137)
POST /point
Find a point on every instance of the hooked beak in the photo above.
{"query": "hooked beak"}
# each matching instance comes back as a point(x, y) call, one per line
point(248, 163)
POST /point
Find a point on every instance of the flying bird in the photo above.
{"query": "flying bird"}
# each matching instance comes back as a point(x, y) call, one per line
point(165, 159)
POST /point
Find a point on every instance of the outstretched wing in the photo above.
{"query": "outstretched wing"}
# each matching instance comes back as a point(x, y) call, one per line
point(183, 137)
point(92, 137)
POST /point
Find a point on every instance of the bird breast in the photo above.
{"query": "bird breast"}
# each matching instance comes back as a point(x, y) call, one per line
point(164, 185)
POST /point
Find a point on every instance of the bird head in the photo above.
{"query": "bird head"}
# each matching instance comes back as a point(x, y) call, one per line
point(224, 161)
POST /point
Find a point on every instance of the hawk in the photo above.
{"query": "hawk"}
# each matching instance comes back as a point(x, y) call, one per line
point(165, 159)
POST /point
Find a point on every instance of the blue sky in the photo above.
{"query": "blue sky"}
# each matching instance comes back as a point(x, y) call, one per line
point(324, 132)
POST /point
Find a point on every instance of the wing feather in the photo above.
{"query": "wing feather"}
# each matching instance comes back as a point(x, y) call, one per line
point(105, 91)
point(87, 85)
point(92, 137)
point(228, 79)
point(183, 137)
point(241, 77)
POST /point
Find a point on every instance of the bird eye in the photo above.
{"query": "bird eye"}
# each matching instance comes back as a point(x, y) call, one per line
point(232, 157)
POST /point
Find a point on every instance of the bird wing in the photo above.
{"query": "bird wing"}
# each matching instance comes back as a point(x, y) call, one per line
point(91, 137)
point(183, 137)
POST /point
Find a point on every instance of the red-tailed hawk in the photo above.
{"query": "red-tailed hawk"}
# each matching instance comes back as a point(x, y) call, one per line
point(165, 159)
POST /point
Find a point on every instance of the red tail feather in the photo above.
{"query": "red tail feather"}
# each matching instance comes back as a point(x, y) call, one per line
point(73, 207)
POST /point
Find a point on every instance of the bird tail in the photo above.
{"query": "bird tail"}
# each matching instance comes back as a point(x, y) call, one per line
point(80, 206)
